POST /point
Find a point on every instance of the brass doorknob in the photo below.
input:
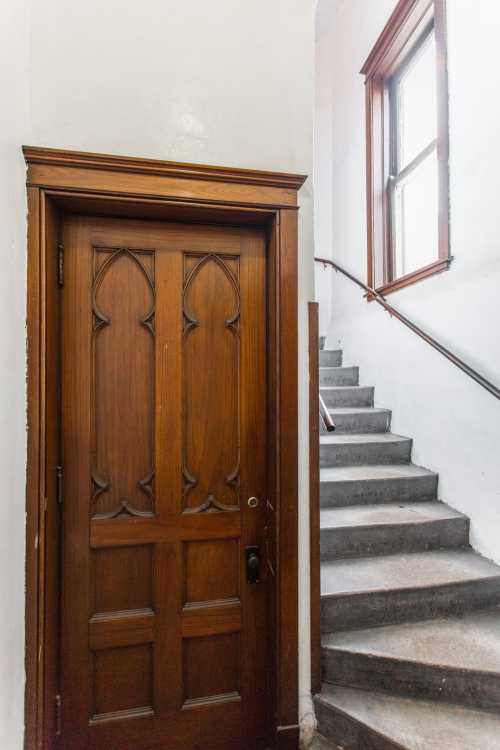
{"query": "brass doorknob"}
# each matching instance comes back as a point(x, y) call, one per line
point(253, 502)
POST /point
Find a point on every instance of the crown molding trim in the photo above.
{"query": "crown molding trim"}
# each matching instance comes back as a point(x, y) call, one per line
point(108, 162)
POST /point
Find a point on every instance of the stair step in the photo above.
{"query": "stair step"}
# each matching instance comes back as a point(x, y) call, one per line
point(354, 719)
point(338, 376)
point(321, 743)
point(370, 591)
point(335, 396)
point(385, 529)
point(369, 449)
point(361, 419)
point(330, 357)
point(354, 485)
point(456, 660)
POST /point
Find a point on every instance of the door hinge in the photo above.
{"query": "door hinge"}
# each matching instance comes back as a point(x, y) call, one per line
point(60, 264)
point(59, 484)
point(58, 701)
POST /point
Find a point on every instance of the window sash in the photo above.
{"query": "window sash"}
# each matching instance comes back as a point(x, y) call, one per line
point(393, 84)
point(419, 158)
point(397, 175)
point(393, 182)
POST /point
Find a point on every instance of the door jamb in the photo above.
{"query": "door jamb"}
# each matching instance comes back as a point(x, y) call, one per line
point(127, 186)
point(314, 499)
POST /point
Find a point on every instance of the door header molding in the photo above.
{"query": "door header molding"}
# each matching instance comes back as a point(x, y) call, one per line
point(47, 165)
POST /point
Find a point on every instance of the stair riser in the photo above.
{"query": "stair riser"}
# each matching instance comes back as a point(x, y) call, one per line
point(353, 454)
point(362, 541)
point(340, 376)
point(425, 681)
point(348, 396)
point(345, 494)
point(320, 743)
point(345, 611)
point(358, 423)
point(330, 358)
point(345, 732)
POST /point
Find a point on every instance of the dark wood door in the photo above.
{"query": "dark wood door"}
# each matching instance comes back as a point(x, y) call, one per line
point(163, 403)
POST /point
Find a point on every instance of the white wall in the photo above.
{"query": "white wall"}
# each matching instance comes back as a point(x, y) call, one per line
point(14, 63)
point(228, 82)
point(454, 423)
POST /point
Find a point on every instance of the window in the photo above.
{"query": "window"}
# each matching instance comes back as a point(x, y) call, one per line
point(407, 148)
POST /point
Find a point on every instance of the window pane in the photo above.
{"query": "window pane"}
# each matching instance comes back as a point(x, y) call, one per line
point(417, 103)
point(416, 218)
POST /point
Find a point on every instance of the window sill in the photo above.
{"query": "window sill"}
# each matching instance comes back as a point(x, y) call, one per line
point(422, 273)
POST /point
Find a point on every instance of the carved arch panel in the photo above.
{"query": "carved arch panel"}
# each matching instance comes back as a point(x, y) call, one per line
point(123, 388)
point(211, 382)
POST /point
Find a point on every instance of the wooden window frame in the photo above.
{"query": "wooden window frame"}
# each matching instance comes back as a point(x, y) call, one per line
point(98, 184)
point(395, 45)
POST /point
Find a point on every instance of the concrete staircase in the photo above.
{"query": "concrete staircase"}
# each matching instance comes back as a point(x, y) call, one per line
point(410, 614)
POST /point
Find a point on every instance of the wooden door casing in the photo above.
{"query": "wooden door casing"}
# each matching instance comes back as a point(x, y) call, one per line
point(60, 182)
point(163, 440)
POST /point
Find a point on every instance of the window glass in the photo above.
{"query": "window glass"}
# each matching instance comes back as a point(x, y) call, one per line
point(417, 103)
point(416, 218)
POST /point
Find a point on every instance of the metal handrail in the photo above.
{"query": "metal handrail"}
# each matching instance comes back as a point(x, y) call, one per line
point(325, 415)
point(372, 293)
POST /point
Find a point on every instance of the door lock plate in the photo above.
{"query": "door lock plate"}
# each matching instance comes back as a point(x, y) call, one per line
point(252, 555)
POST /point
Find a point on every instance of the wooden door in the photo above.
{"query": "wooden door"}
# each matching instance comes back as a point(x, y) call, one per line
point(163, 404)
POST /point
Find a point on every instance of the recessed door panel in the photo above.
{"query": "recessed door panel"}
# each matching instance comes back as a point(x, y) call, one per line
point(123, 380)
point(211, 364)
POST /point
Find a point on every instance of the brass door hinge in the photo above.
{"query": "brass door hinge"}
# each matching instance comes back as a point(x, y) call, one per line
point(60, 264)
point(58, 702)
point(59, 484)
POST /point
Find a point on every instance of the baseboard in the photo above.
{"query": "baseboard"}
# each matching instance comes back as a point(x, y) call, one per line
point(287, 738)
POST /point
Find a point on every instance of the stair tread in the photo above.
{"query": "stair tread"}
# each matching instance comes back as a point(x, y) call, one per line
point(327, 355)
point(470, 642)
point(347, 395)
point(374, 472)
point(362, 438)
point(404, 571)
point(339, 367)
point(346, 387)
point(320, 743)
point(387, 514)
point(358, 410)
point(416, 724)
point(367, 420)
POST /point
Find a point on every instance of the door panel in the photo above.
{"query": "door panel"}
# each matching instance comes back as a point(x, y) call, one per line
point(164, 440)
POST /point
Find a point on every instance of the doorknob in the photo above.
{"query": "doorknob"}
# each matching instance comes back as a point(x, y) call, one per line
point(253, 564)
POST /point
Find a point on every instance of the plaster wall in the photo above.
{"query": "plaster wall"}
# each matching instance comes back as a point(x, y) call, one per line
point(228, 82)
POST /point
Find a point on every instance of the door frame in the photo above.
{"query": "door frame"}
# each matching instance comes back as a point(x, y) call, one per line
point(99, 184)
point(314, 498)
